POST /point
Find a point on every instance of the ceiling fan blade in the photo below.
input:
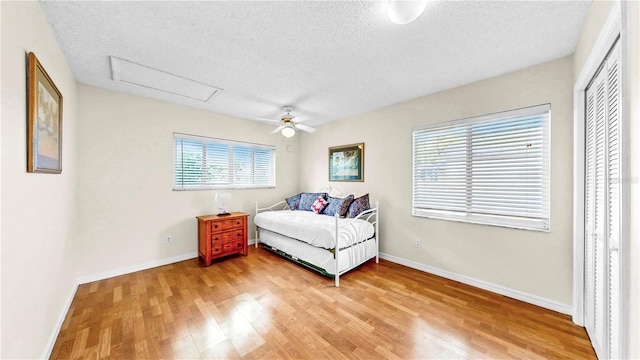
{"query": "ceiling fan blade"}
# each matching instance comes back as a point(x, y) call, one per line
point(278, 129)
point(306, 128)
point(268, 120)
point(299, 119)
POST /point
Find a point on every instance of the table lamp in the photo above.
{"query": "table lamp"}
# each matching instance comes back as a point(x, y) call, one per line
point(223, 199)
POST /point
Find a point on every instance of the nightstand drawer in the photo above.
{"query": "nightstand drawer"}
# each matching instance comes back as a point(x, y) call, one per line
point(216, 238)
point(216, 226)
point(217, 249)
point(232, 246)
point(228, 236)
point(237, 235)
point(233, 223)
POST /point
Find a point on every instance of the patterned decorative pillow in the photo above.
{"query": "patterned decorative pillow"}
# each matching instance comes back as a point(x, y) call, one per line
point(359, 205)
point(293, 201)
point(338, 205)
point(307, 199)
point(319, 205)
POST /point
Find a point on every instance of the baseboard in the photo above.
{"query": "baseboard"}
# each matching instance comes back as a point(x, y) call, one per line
point(145, 266)
point(498, 289)
point(134, 268)
point(63, 314)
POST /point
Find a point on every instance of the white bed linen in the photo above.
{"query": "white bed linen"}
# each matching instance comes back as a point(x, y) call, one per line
point(314, 229)
point(319, 257)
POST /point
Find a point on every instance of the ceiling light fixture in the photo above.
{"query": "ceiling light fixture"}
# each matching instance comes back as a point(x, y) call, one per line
point(288, 131)
point(405, 11)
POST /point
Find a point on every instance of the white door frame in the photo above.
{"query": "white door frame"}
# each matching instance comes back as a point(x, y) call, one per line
point(611, 31)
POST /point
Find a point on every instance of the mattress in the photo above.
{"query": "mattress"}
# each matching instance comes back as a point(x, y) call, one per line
point(313, 229)
point(319, 257)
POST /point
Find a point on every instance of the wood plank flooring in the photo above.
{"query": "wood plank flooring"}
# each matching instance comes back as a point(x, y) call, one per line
point(262, 306)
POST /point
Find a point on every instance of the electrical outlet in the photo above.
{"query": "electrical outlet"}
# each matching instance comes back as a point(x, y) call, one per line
point(168, 240)
point(418, 243)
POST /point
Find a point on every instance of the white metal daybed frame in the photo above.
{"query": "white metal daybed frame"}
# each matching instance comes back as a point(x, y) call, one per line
point(356, 257)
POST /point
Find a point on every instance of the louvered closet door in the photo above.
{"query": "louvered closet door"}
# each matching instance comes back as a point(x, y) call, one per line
point(590, 233)
point(613, 202)
point(595, 209)
point(602, 209)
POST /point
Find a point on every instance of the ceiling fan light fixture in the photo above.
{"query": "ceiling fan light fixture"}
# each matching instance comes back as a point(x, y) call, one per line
point(288, 127)
point(288, 131)
point(402, 12)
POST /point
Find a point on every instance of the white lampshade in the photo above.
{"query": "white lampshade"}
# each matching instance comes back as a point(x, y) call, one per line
point(405, 11)
point(223, 199)
point(288, 132)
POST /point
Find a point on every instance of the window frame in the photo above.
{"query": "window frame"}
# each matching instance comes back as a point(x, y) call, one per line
point(231, 143)
point(519, 222)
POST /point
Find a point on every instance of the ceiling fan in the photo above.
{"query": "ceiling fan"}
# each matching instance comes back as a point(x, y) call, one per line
point(289, 126)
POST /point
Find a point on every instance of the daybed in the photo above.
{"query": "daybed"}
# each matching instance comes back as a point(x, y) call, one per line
point(309, 238)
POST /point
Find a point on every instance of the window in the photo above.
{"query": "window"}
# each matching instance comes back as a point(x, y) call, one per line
point(208, 163)
point(492, 169)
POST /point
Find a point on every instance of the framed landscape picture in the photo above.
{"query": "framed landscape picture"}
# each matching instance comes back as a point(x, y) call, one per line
point(346, 163)
point(44, 144)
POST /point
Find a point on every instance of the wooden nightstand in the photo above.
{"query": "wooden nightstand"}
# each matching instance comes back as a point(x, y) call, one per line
point(220, 236)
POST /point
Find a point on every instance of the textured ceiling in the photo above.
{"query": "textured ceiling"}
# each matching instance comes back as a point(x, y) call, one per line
point(328, 59)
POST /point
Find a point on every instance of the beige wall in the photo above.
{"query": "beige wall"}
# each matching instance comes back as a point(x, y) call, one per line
point(536, 263)
point(38, 210)
point(596, 18)
point(127, 205)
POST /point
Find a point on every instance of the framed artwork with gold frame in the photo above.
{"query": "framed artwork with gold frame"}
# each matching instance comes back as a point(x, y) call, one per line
point(44, 132)
point(346, 163)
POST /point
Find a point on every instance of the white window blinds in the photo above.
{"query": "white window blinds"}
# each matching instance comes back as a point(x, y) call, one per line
point(208, 163)
point(492, 169)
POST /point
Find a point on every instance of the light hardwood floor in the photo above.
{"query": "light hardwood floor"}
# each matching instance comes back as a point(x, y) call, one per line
point(262, 306)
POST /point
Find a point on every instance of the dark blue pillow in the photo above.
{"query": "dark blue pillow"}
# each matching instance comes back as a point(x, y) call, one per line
point(338, 205)
point(293, 201)
point(359, 205)
point(307, 199)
